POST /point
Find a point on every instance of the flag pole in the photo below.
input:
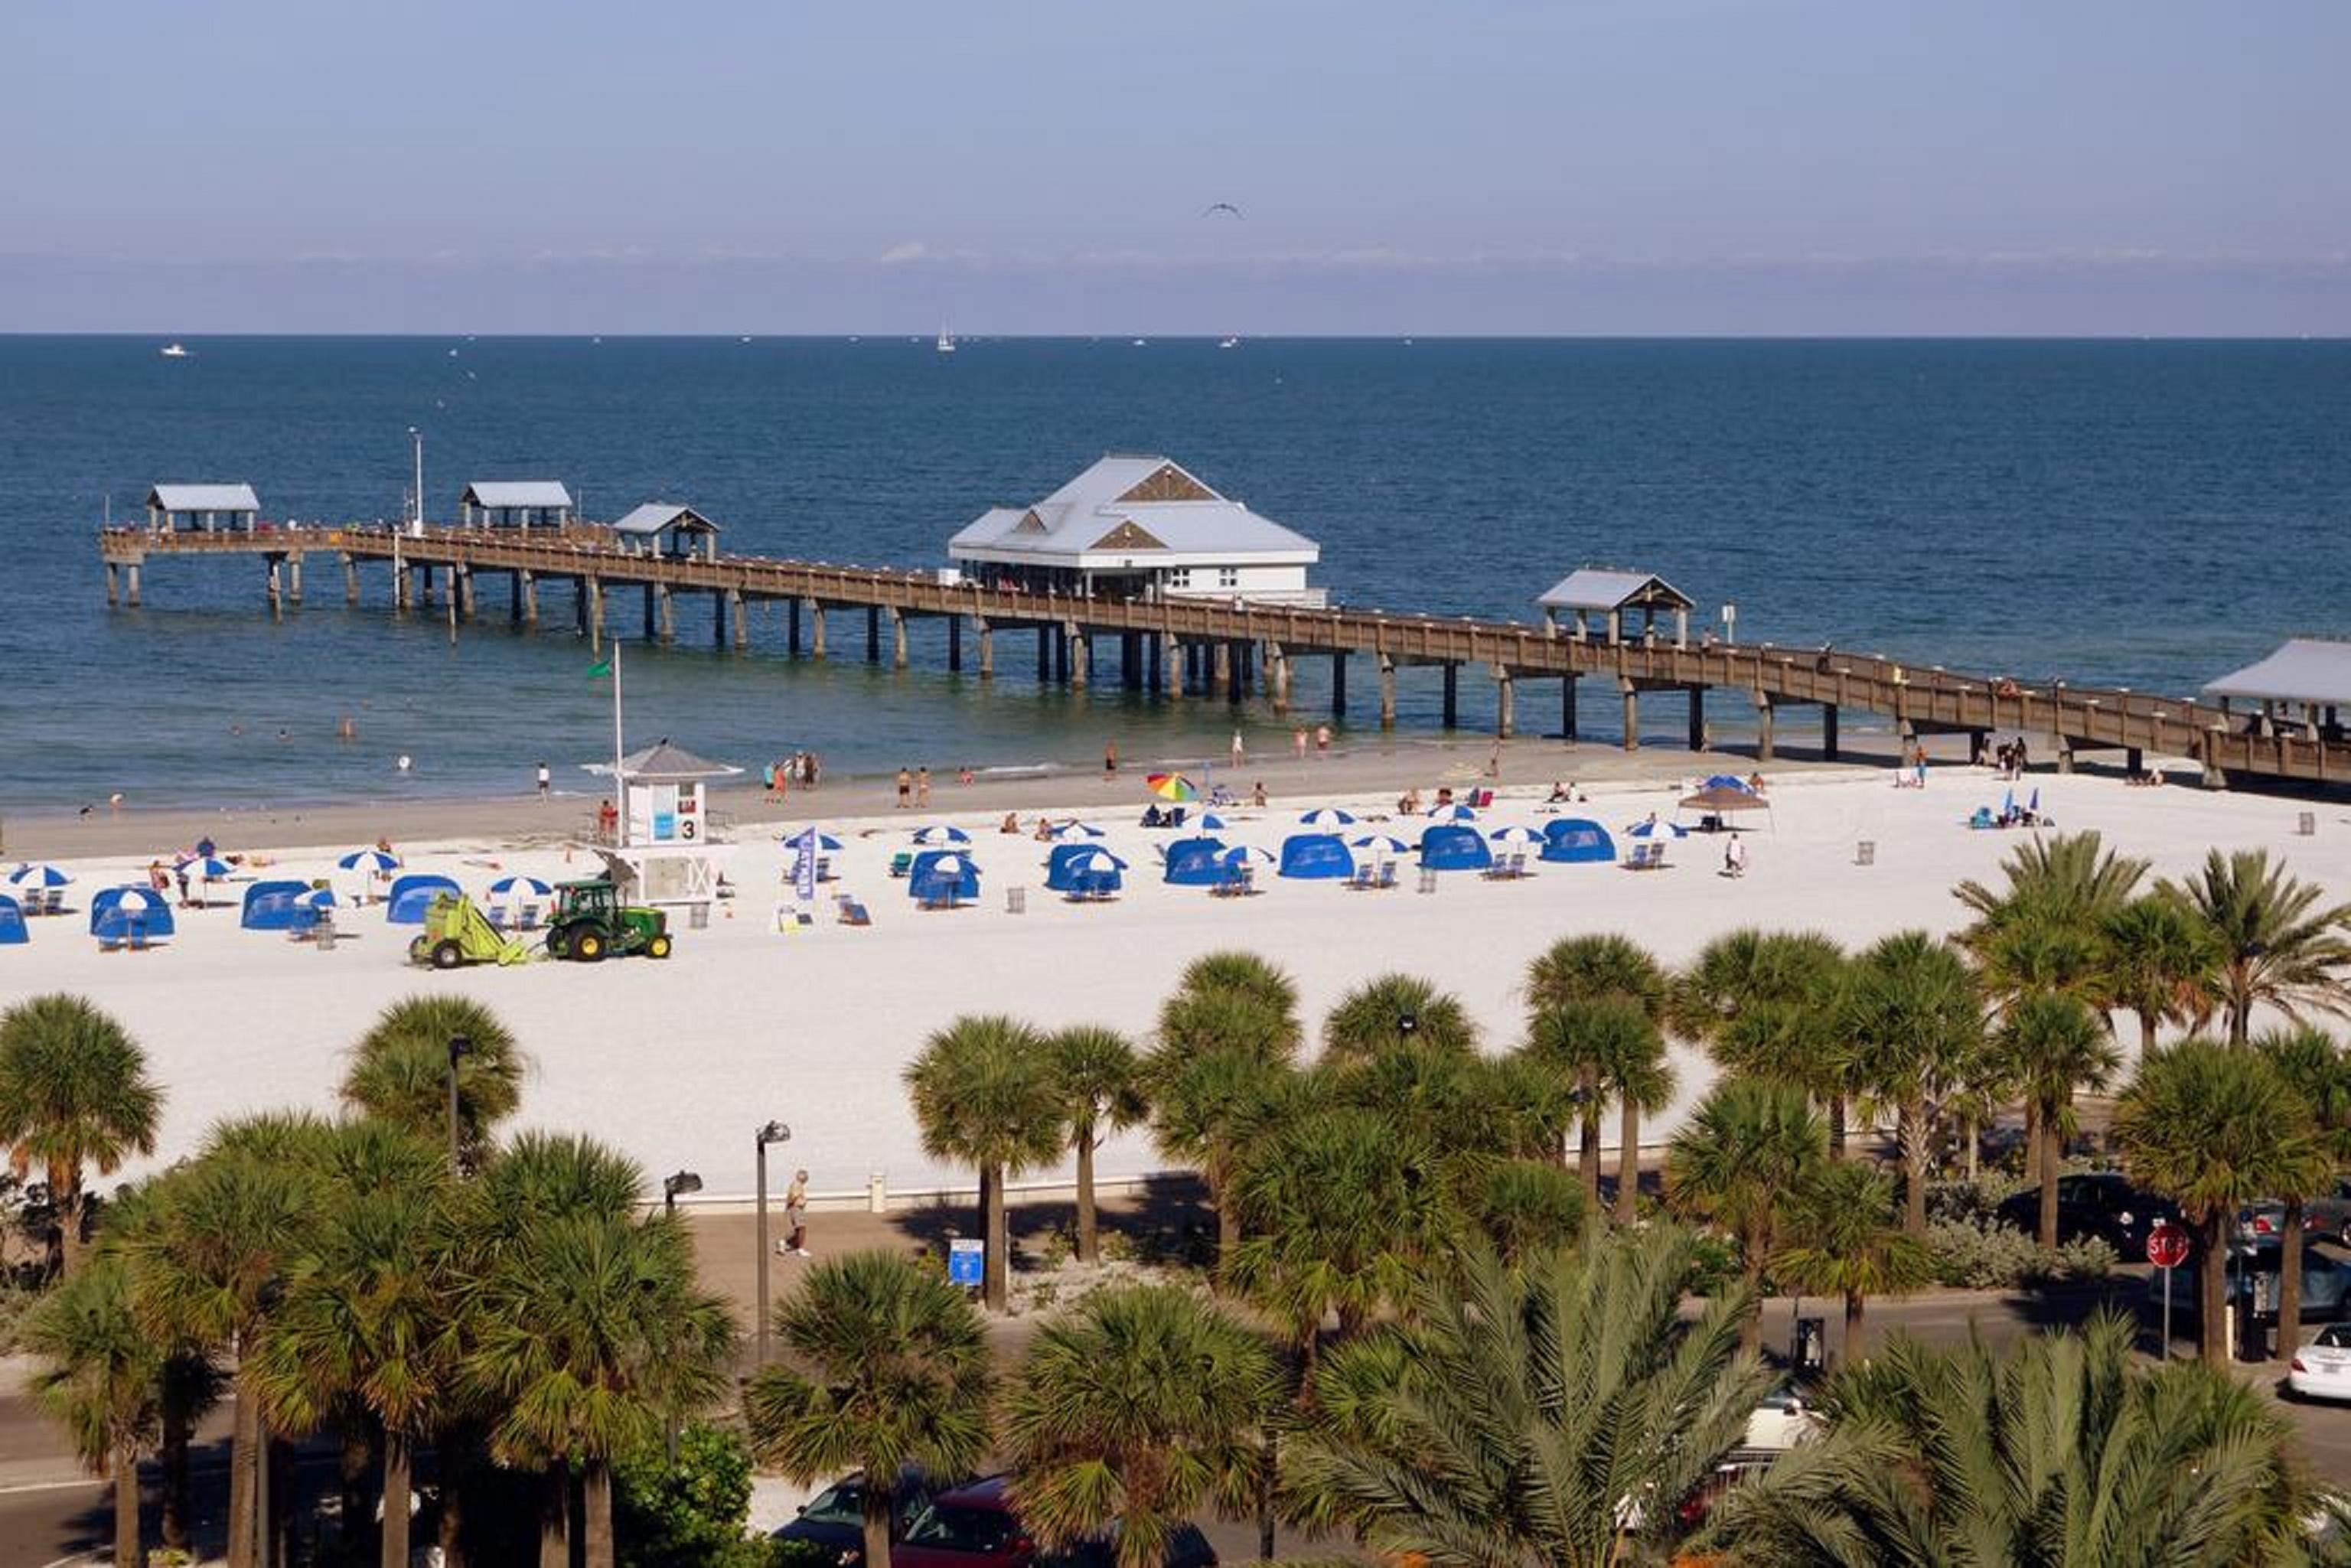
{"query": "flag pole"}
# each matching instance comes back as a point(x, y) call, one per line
point(619, 785)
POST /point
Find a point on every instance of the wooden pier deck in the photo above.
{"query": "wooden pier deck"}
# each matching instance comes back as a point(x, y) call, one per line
point(1184, 648)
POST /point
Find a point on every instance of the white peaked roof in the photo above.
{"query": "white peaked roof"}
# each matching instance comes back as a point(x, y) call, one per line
point(662, 763)
point(2302, 670)
point(500, 494)
point(1593, 588)
point(1127, 506)
point(204, 498)
point(654, 516)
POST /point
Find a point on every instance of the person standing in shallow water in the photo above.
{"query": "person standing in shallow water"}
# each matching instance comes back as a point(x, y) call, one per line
point(796, 1216)
point(905, 788)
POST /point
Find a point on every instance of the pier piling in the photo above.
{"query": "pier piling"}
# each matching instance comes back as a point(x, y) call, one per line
point(872, 634)
point(1075, 652)
point(816, 627)
point(1505, 703)
point(1697, 718)
point(1339, 684)
point(1829, 731)
point(1387, 692)
point(1452, 695)
point(955, 644)
point(1764, 751)
point(897, 638)
point(1567, 725)
point(1631, 713)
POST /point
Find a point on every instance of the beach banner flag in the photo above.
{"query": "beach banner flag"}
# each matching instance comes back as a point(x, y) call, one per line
point(804, 869)
point(602, 667)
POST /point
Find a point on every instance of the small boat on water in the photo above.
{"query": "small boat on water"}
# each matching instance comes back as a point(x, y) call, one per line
point(1230, 343)
point(946, 343)
point(175, 350)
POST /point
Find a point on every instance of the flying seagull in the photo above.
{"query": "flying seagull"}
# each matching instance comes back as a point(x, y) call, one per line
point(1221, 207)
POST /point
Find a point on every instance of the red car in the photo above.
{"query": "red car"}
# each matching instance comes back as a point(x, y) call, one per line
point(975, 1527)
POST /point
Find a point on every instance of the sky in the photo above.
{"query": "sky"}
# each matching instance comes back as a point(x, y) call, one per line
point(1579, 166)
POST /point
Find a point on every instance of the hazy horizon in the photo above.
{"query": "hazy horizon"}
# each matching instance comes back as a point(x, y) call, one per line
point(1679, 168)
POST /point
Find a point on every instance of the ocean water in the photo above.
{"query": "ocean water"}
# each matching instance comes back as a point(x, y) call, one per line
point(2143, 514)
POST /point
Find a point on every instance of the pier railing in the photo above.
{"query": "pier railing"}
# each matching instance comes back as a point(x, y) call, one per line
point(1920, 699)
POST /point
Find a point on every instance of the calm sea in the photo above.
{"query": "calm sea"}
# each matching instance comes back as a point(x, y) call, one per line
point(2139, 514)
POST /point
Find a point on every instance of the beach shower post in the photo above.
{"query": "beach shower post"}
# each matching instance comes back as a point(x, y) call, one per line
point(773, 1133)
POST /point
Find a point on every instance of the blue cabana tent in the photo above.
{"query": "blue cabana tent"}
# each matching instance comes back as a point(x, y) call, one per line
point(1062, 875)
point(938, 874)
point(1577, 839)
point(119, 912)
point(12, 923)
point(1320, 857)
point(1195, 863)
point(413, 894)
point(1454, 846)
point(271, 905)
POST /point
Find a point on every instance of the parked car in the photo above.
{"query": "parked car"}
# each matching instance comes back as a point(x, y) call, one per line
point(2322, 1369)
point(2103, 1204)
point(2330, 1211)
point(2253, 1279)
point(835, 1518)
point(974, 1527)
point(1780, 1419)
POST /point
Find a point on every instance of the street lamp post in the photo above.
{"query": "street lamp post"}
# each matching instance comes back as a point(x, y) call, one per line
point(684, 1181)
point(773, 1133)
point(460, 1046)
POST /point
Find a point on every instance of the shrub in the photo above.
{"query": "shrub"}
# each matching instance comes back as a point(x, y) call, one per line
point(1977, 1255)
point(685, 1512)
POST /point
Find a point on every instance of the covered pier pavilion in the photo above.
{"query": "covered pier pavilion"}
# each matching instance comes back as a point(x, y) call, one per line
point(2302, 686)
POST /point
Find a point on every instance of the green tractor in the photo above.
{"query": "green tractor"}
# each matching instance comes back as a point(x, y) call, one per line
point(590, 923)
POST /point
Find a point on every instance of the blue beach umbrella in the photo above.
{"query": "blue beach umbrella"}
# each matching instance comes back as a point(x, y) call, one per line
point(1381, 843)
point(1210, 823)
point(938, 835)
point(42, 875)
point(2008, 804)
point(1248, 854)
point(1515, 835)
point(368, 860)
point(1451, 814)
point(204, 868)
point(507, 886)
point(1325, 817)
point(1657, 827)
point(824, 842)
point(1078, 831)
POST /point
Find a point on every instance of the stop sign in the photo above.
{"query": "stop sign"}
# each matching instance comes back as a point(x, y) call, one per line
point(2167, 1245)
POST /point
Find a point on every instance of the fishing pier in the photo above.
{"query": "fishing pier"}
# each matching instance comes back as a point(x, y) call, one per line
point(1202, 648)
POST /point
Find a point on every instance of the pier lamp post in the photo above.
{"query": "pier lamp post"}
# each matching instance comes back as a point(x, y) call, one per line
point(773, 1133)
point(417, 497)
point(460, 1046)
point(684, 1181)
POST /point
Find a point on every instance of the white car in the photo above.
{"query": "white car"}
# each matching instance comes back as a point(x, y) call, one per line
point(2322, 1369)
point(1781, 1419)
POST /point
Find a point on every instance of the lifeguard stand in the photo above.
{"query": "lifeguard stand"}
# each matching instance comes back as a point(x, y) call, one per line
point(673, 847)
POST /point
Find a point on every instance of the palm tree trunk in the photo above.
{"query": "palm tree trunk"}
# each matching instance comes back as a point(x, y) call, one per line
point(993, 1275)
point(1750, 1269)
point(357, 1459)
point(1856, 1330)
point(1228, 1232)
point(555, 1518)
point(1837, 1120)
point(244, 1472)
point(71, 1251)
point(2146, 1025)
point(1974, 1149)
point(395, 1552)
point(1269, 1477)
point(2212, 1280)
point(455, 1448)
point(599, 1488)
point(1628, 1158)
point(173, 1457)
point(2240, 1012)
point(2050, 1161)
point(1087, 1244)
point(2289, 1330)
point(2031, 1143)
point(128, 1553)
point(1587, 1153)
point(1914, 1165)
point(874, 1519)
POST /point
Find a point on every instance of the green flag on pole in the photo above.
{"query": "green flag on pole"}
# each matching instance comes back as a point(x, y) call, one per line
point(602, 667)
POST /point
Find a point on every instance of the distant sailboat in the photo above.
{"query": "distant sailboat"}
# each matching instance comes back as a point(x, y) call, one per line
point(1141, 342)
point(946, 343)
point(175, 350)
point(1230, 343)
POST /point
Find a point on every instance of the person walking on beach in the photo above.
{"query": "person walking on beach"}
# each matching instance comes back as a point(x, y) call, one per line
point(545, 782)
point(905, 788)
point(1297, 742)
point(923, 785)
point(1321, 740)
point(1734, 856)
point(796, 1216)
point(1110, 758)
point(1240, 752)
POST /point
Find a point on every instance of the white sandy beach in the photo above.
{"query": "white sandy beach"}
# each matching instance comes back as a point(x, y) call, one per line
point(676, 1062)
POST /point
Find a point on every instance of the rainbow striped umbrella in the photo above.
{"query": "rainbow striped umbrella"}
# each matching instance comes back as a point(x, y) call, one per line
point(1172, 787)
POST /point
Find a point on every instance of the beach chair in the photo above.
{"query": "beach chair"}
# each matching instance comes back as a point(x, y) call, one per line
point(1387, 877)
point(53, 901)
point(1427, 879)
point(1865, 853)
point(854, 913)
point(902, 863)
point(527, 917)
point(1363, 881)
point(1982, 818)
point(1517, 864)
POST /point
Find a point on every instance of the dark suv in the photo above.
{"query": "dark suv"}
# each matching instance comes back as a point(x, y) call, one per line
point(974, 1527)
point(2103, 1204)
point(835, 1518)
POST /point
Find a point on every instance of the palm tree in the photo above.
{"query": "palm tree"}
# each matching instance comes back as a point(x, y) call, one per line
point(2214, 1127)
point(2071, 878)
point(1581, 969)
point(1396, 1011)
point(74, 1093)
point(984, 1092)
point(1849, 1244)
point(1914, 1017)
point(892, 1373)
point(1770, 1004)
point(1522, 1206)
point(2063, 1452)
point(2278, 944)
point(1748, 1147)
point(1099, 1080)
point(1207, 1109)
point(1131, 1414)
point(209, 1265)
point(1233, 970)
point(2314, 1067)
point(100, 1377)
point(400, 1071)
point(1233, 1000)
point(588, 1339)
point(189, 1380)
point(2054, 1046)
point(1581, 1040)
point(1548, 1413)
point(2161, 962)
point(366, 1322)
point(1341, 1210)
